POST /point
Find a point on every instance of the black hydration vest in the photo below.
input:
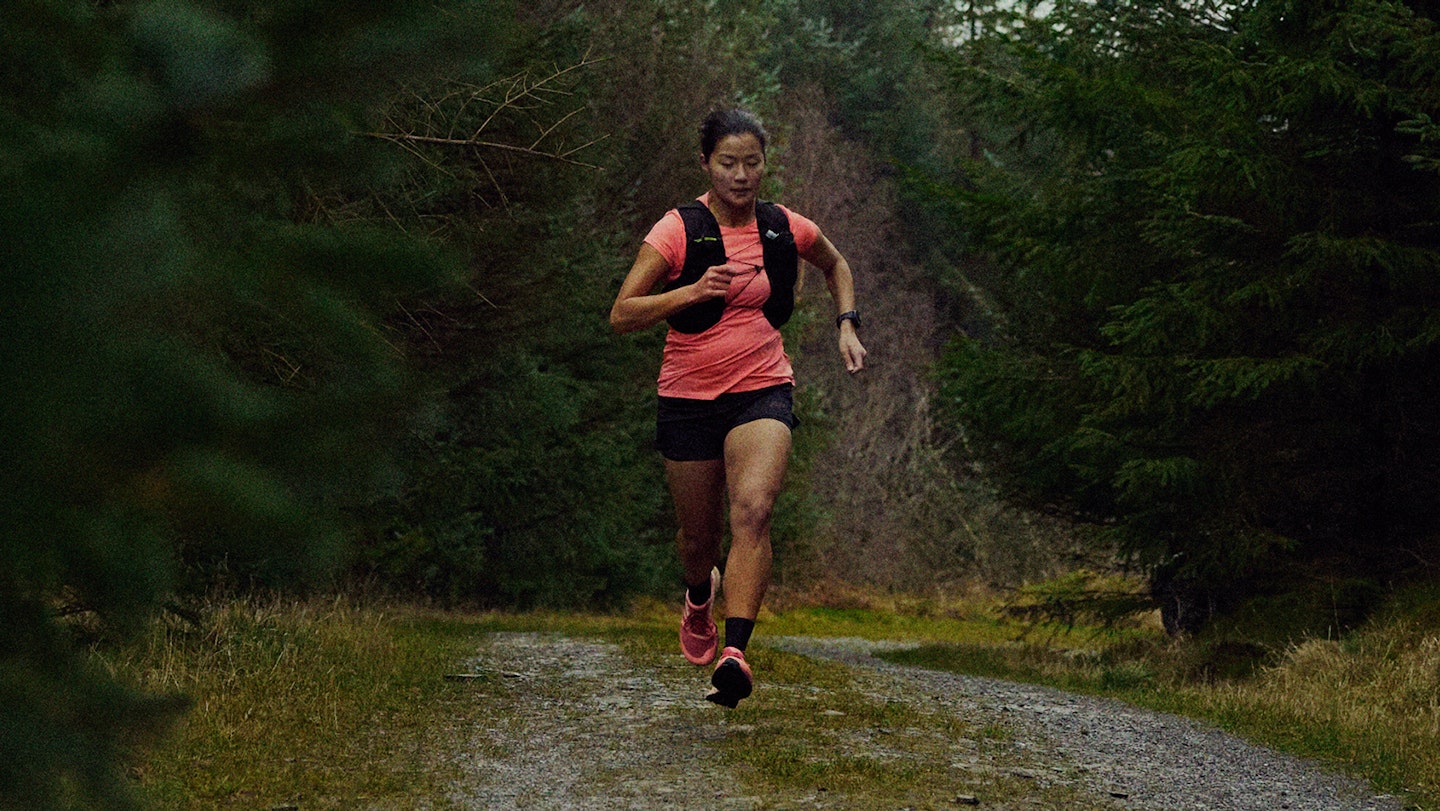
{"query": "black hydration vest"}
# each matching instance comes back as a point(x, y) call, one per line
point(704, 249)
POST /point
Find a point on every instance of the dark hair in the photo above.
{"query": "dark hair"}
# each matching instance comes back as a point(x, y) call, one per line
point(722, 123)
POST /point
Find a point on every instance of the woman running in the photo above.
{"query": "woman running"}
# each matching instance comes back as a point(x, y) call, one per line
point(726, 265)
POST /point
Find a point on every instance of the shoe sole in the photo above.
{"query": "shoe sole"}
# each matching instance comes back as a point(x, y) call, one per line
point(730, 685)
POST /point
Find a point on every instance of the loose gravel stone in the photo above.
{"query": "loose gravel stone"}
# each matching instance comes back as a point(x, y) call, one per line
point(1144, 759)
point(582, 728)
point(575, 724)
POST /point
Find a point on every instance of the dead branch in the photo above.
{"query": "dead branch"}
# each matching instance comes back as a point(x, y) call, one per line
point(470, 116)
point(401, 137)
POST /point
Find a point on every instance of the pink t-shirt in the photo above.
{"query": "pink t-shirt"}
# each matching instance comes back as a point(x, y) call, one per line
point(742, 352)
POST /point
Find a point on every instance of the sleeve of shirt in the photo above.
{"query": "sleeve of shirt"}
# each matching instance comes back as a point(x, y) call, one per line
point(668, 237)
point(804, 229)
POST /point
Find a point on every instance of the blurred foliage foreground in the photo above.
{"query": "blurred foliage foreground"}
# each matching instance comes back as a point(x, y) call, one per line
point(212, 231)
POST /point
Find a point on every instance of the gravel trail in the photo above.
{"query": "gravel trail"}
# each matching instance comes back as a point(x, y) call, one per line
point(576, 724)
point(1148, 760)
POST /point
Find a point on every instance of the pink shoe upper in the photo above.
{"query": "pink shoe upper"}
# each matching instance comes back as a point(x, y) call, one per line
point(698, 635)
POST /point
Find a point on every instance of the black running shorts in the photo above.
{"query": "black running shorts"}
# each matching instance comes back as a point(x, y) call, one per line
point(694, 430)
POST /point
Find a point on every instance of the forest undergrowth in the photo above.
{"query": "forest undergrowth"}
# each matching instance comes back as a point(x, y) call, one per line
point(885, 506)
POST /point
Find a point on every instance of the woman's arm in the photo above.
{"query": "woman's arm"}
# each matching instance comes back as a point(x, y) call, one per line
point(636, 307)
point(823, 255)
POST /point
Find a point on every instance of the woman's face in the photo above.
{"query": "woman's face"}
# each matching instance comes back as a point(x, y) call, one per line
point(735, 168)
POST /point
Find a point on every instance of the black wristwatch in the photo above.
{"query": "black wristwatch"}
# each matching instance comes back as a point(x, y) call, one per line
point(850, 315)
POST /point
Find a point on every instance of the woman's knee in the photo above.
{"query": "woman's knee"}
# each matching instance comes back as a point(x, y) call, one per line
point(750, 515)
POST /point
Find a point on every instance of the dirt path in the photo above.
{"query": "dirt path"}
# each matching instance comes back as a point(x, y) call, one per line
point(578, 724)
point(574, 724)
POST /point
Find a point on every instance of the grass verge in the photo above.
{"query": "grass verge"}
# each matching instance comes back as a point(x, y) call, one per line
point(1367, 704)
point(314, 705)
point(334, 705)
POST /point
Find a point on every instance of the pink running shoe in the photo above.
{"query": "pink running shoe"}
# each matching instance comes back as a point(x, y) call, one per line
point(732, 680)
point(698, 634)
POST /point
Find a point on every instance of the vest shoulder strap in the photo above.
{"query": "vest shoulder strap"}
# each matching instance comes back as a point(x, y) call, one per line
point(704, 248)
point(782, 261)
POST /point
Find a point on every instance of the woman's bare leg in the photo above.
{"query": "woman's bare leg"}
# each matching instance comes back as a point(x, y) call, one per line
point(756, 454)
point(698, 489)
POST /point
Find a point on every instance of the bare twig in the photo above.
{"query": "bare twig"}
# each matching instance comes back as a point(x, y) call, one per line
point(482, 296)
point(523, 100)
point(401, 137)
point(291, 371)
point(499, 189)
point(546, 132)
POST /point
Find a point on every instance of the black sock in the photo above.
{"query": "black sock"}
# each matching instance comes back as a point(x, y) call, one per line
point(737, 632)
point(698, 594)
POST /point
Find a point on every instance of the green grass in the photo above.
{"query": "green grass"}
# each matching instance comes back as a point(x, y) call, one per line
point(320, 705)
point(1367, 705)
point(334, 705)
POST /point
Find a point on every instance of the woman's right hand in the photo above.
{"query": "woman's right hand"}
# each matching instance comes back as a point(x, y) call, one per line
point(716, 280)
point(636, 308)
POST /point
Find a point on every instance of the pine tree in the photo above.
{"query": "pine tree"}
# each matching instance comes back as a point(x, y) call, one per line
point(1213, 233)
point(194, 382)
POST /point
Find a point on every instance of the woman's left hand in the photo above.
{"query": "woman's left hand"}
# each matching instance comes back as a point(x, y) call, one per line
point(851, 351)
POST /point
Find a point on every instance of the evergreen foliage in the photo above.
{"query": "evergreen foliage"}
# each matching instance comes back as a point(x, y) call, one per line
point(297, 289)
point(194, 377)
point(868, 61)
point(1214, 250)
point(530, 476)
